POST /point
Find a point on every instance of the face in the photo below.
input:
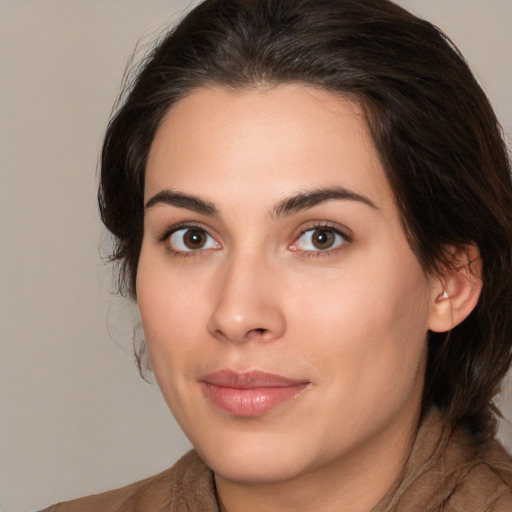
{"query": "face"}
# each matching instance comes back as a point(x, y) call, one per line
point(284, 312)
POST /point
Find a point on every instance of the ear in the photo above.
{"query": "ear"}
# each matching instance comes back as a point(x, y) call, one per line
point(456, 293)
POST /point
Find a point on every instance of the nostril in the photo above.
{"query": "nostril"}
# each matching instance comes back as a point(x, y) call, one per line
point(256, 332)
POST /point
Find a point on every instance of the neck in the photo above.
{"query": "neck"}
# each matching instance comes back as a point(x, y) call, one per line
point(355, 482)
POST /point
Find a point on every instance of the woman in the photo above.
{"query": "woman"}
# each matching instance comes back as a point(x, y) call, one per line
point(312, 204)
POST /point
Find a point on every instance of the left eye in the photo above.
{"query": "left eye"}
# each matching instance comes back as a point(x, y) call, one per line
point(319, 239)
point(191, 239)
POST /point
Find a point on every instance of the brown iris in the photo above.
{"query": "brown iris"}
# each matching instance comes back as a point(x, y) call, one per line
point(194, 239)
point(323, 239)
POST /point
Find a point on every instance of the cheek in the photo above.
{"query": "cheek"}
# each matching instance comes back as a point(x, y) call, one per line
point(171, 330)
point(169, 316)
point(368, 329)
point(167, 300)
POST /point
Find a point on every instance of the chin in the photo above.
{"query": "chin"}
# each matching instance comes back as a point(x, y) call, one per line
point(251, 471)
point(255, 461)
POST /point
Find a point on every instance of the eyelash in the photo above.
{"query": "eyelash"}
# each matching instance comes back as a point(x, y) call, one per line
point(347, 240)
point(164, 237)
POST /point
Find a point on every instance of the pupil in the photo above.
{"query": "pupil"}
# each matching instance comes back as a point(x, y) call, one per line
point(194, 239)
point(323, 239)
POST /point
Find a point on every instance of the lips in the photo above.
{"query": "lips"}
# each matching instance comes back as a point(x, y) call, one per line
point(251, 393)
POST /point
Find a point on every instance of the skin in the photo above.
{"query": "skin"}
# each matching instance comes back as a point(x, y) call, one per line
point(351, 320)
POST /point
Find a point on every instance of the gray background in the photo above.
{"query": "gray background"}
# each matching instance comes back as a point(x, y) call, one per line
point(75, 418)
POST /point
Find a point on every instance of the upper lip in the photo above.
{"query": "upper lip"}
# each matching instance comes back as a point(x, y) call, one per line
point(249, 380)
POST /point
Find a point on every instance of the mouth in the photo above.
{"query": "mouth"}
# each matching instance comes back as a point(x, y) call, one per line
point(250, 393)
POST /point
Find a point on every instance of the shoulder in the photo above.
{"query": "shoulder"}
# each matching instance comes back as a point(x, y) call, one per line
point(482, 479)
point(186, 486)
point(449, 471)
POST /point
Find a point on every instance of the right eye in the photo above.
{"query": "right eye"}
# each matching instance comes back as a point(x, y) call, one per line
point(191, 239)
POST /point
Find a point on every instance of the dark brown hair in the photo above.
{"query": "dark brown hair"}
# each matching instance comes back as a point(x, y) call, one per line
point(435, 131)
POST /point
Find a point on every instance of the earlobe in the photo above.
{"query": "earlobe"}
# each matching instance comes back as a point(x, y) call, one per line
point(456, 293)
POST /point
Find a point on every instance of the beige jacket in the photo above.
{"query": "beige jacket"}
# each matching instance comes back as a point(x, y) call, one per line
point(445, 472)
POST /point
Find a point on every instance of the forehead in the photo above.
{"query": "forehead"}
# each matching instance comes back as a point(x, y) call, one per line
point(264, 143)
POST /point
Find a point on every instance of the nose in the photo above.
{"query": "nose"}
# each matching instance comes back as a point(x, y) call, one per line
point(247, 305)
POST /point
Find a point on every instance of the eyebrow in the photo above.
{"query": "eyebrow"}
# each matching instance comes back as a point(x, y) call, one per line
point(308, 199)
point(181, 200)
point(288, 206)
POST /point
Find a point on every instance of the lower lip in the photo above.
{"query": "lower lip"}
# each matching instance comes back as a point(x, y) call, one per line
point(251, 402)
